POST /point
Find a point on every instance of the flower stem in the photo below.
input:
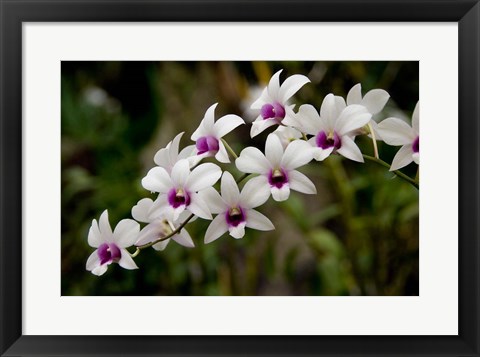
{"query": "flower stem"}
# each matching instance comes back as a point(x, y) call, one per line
point(229, 149)
point(374, 141)
point(396, 172)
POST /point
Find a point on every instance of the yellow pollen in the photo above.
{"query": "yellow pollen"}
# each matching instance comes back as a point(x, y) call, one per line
point(234, 211)
point(331, 136)
point(180, 192)
point(277, 173)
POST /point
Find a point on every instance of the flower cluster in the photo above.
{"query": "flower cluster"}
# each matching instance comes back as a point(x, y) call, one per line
point(185, 185)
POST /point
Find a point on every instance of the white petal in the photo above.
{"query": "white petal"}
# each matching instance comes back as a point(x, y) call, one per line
point(350, 150)
point(238, 231)
point(100, 270)
point(258, 221)
point(126, 233)
point(162, 158)
point(213, 199)
point(273, 150)
point(260, 125)
point(180, 173)
point(161, 245)
point(297, 154)
point(226, 124)
point(280, 194)
point(403, 157)
point(189, 152)
point(203, 176)
point(320, 154)
point(395, 131)
point(274, 86)
point(261, 101)
point(229, 188)
point(157, 180)
point(158, 207)
point(255, 192)
point(126, 261)
point(150, 233)
point(183, 238)
point(291, 85)
point(328, 110)
point(95, 238)
point(416, 158)
point(415, 119)
point(286, 135)
point(301, 183)
point(93, 261)
point(351, 118)
point(141, 210)
point(340, 104)
point(354, 95)
point(104, 226)
point(252, 160)
point(209, 119)
point(222, 154)
point(216, 229)
point(309, 121)
point(198, 207)
point(173, 148)
point(375, 100)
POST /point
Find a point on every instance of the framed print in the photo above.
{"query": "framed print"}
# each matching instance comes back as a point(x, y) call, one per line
point(239, 178)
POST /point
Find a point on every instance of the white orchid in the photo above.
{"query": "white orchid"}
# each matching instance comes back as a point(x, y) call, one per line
point(287, 134)
point(277, 167)
point(111, 245)
point(208, 134)
point(235, 209)
point(374, 100)
point(179, 190)
point(167, 157)
point(333, 128)
point(396, 132)
point(158, 227)
point(273, 103)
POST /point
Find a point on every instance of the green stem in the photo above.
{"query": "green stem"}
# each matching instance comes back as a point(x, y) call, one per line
point(396, 172)
point(229, 149)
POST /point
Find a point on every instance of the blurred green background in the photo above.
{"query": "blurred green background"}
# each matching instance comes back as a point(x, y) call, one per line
point(357, 236)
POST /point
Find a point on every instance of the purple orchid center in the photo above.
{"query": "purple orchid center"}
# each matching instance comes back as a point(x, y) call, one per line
point(272, 111)
point(109, 252)
point(178, 197)
point(416, 145)
point(234, 216)
point(325, 141)
point(207, 144)
point(277, 178)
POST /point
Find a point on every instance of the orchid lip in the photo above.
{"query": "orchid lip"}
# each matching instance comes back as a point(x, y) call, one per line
point(235, 216)
point(109, 252)
point(325, 141)
point(207, 144)
point(272, 111)
point(416, 145)
point(277, 178)
point(178, 197)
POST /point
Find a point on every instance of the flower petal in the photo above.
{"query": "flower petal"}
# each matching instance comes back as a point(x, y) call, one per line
point(93, 261)
point(126, 261)
point(403, 157)
point(328, 111)
point(309, 121)
point(273, 150)
point(238, 231)
point(203, 176)
point(415, 119)
point(180, 173)
point(226, 124)
point(183, 238)
point(222, 154)
point(213, 199)
point(198, 207)
point(157, 180)
point(161, 245)
point(104, 226)
point(375, 100)
point(252, 160)
point(100, 270)
point(350, 150)
point(150, 233)
point(261, 101)
point(416, 158)
point(396, 132)
point(216, 229)
point(297, 154)
point(255, 192)
point(158, 207)
point(261, 125)
point(229, 188)
point(126, 233)
point(354, 95)
point(258, 221)
point(141, 210)
point(274, 86)
point(301, 183)
point(320, 154)
point(95, 238)
point(292, 85)
point(280, 194)
point(206, 125)
point(351, 118)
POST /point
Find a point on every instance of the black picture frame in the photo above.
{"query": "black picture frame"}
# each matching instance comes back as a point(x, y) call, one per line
point(14, 13)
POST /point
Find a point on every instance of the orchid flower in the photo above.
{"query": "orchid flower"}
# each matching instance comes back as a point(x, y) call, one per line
point(277, 167)
point(208, 134)
point(158, 227)
point(235, 209)
point(287, 134)
point(168, 156)
point(178, 190)
point(273, 103)
point(396, 132)
point(111, 245)
point(332, 130)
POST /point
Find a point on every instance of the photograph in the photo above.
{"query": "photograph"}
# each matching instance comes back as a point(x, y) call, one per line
point(247, 178)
